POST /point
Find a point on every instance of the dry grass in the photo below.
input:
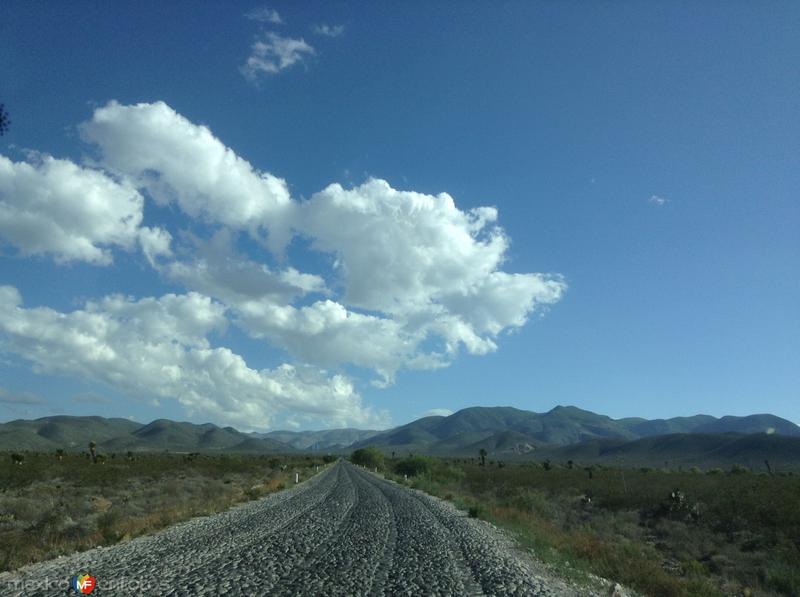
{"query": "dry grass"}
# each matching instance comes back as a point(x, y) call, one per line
point(733, 534)
point(50, 507)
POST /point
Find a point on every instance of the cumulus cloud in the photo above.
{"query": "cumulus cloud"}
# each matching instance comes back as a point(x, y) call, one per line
point(658, 200)
point(264, 15)
point(216, 269)
point(55, 207)
point(415, 270)
point(328, 30)
point(327, 334)
point(417, 273)
point(159, 346)
point(415, 280)
point(401, 251)
point(179, 162)
point(423, 261)
point(155, 243)
point(271, 53)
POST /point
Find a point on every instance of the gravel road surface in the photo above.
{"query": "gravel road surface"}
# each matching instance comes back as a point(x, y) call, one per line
point(343, 532)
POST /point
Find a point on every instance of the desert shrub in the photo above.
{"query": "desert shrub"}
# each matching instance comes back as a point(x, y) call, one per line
point(50, 507)
point(534, 501)
point(728, 532)
point(369, 457)
point(413, 466)
point(476, 511)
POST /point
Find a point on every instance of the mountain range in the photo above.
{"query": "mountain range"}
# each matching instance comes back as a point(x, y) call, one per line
point(120, 435)
point(510, 430)
point(563, 433)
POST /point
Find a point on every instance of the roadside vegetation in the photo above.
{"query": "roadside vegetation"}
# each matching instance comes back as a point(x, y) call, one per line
point(660, 532)
point(59, 503)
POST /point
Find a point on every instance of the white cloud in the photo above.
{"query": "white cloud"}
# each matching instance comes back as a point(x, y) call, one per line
point(657, 200)
point(421, 270)
point(422, 260)
point(264, 15)
point(271, 53)
point(401, 251)
point(179, 162)
point(327, 334)
point(216, 269)
point(56, 207)
point(324, 333)
point(425, 272)
point(155, 243)
point(328, 30)
point(158, 348)
point(436, 412)
point(502, 300)
point(415, 279)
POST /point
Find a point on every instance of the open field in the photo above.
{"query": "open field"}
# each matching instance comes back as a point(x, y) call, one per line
point(659, 532)
point(51, 506)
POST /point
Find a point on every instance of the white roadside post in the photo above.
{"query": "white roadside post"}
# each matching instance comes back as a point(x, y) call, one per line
point(296, 477)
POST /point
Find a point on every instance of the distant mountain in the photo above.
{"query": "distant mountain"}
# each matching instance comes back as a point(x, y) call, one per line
point(561, 425)
point(705, 450)
point(750, 424)
point(69, 433)
point(565, 432)
point(118, 435)
point(643, 427)
point(511, 431)
point(328, 439)
point(163, 434)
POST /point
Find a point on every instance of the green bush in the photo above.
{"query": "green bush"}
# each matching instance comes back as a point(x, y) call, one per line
point(476, 511)
point(369, 457)
point(413, 466)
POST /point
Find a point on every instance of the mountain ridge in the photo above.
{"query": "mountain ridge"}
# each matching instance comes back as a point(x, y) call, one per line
point(506, 432)
point(510, 432)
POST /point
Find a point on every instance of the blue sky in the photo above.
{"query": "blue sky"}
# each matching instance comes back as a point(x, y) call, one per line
point(172, 247)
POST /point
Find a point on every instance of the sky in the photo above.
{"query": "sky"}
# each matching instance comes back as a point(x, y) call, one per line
point(316, 215)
